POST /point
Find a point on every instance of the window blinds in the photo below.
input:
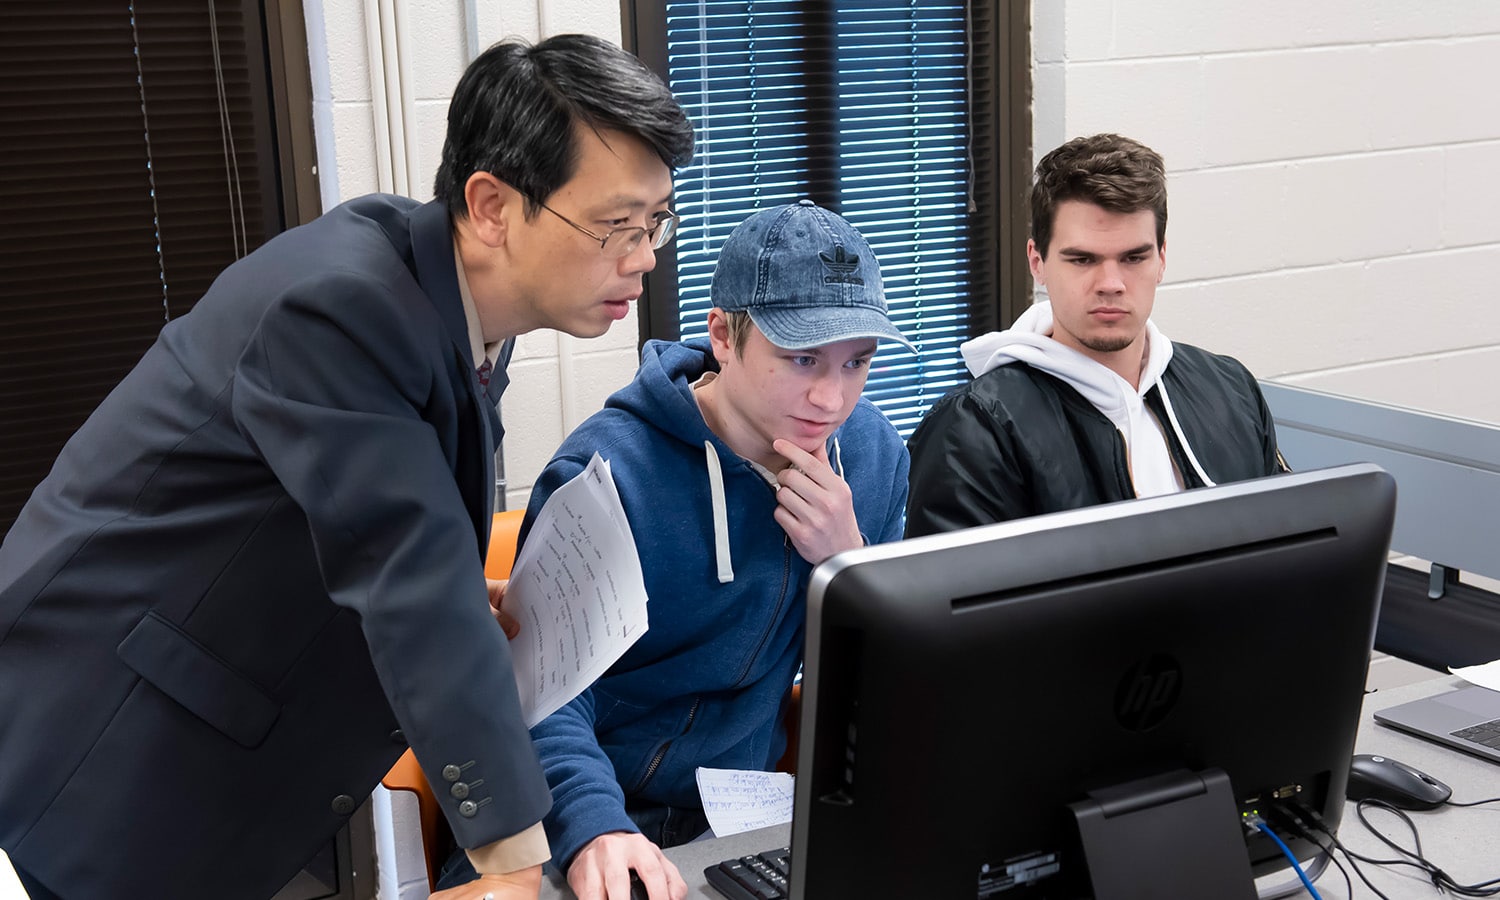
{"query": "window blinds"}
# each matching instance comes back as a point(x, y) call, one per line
point(861, 106)
point(136, 164)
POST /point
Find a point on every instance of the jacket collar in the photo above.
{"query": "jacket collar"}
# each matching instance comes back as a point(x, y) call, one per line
point(437, 273)
point(432, 251)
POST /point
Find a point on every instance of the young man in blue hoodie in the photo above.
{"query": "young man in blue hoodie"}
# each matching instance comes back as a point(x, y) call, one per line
point(742, 460)
point(1083, 400)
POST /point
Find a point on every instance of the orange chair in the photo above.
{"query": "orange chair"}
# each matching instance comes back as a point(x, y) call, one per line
point(792, 719)
point(407, 775)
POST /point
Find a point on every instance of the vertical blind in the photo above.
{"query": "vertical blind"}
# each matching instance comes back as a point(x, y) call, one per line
point(861, 106)
point(137, 161)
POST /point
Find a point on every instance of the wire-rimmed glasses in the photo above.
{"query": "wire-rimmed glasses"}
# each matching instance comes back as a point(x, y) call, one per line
point(623, 241)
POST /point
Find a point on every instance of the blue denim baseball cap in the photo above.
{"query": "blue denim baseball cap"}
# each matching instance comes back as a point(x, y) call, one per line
point(805, 276)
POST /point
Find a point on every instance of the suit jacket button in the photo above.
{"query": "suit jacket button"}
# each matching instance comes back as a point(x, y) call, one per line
point(460, 790)
point(468, 808)
point(343, 804)
point(398, 737)
point(451, 772)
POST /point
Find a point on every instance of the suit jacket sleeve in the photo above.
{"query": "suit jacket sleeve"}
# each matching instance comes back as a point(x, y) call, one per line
point(337, 391)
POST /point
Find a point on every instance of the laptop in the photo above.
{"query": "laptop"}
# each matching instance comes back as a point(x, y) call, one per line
point(1467, 718)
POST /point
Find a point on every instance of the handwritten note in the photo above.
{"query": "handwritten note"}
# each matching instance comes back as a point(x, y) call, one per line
point(736, 800)
point(577, 590)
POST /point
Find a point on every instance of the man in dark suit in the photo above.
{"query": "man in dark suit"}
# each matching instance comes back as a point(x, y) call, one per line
point(255, 574)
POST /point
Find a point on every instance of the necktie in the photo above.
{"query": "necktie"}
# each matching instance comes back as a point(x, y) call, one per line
point(484, 370)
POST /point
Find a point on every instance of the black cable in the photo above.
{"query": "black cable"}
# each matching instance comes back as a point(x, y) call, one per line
point(1372, 803)
point(1293, 823)
point(1473, 802)
point(1415, 859)
point(1440, 879)
point(1317, 824)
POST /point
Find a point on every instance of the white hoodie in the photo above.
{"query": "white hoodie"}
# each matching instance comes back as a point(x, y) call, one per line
point(1029, 341)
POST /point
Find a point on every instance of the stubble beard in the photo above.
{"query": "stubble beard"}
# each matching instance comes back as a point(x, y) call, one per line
point(1112, 343)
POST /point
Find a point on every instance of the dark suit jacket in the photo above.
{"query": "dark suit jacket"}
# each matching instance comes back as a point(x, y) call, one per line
point(255, 572)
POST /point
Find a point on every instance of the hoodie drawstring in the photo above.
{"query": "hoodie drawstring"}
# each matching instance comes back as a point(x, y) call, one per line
point(1182, 438)
point(721, 515)
point(721, 507)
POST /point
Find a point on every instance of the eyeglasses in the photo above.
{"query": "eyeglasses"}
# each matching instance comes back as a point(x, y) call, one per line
point(623, 241)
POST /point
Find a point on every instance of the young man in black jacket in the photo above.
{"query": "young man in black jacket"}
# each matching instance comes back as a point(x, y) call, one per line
point(1083, 400)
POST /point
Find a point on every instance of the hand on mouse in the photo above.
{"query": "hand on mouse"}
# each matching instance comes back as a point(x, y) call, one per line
point(602, 869)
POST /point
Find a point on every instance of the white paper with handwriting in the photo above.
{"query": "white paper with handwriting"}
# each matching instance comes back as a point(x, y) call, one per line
point(577, 590)
point(736, 800)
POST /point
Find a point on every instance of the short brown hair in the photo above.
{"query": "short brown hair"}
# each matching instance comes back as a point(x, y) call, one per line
point(1107, 170)
point(738, 323)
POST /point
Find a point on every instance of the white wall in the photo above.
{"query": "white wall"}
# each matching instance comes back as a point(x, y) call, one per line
point(1335, 212)
point(1334, 209)
point(556, 381)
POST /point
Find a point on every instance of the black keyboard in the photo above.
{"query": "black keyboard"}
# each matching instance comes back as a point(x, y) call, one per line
point(1485, 733)
point(759, 877)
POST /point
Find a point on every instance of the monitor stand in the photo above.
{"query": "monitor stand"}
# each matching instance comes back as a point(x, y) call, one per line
point(1172, 835)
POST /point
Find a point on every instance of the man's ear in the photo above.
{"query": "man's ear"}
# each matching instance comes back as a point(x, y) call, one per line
point(493, 206)
point(1034, 261)
point(1161, 271)
point(718, 335)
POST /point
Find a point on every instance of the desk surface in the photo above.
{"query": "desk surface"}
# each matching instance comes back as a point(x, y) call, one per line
point(1461, 841)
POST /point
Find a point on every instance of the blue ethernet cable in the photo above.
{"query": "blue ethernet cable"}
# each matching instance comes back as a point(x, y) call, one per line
point(1259, 824)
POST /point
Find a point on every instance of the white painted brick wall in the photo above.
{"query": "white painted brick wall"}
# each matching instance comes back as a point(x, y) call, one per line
point(1471, 194)
point(1344, 313)
point(1327, 161)
point(556, 381)
point(1331, 166)
point(437, 55)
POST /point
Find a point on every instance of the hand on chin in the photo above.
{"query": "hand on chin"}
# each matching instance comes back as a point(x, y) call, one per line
point(806, 444)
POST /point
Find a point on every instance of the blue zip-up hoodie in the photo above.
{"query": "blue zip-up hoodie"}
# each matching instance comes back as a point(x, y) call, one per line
point(706, 684)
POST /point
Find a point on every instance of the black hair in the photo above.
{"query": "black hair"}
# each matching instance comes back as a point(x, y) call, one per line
point(514, 110)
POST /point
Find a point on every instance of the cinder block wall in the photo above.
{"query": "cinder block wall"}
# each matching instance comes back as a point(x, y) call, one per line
point(1334, 207)
point(1335, 212)
point(556, 381)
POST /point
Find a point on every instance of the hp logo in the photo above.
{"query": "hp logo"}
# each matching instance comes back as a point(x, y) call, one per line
point(1148, 692)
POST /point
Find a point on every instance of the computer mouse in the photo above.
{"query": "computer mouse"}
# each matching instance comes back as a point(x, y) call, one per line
point(638, 887)
point(1400, 785)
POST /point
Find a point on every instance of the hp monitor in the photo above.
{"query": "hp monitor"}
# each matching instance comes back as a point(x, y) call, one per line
point(1088, 703)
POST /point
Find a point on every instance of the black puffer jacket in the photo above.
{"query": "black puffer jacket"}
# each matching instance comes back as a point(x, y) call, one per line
point(1017, 442)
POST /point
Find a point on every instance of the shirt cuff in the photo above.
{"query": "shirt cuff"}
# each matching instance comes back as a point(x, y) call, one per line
point(519, 851)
